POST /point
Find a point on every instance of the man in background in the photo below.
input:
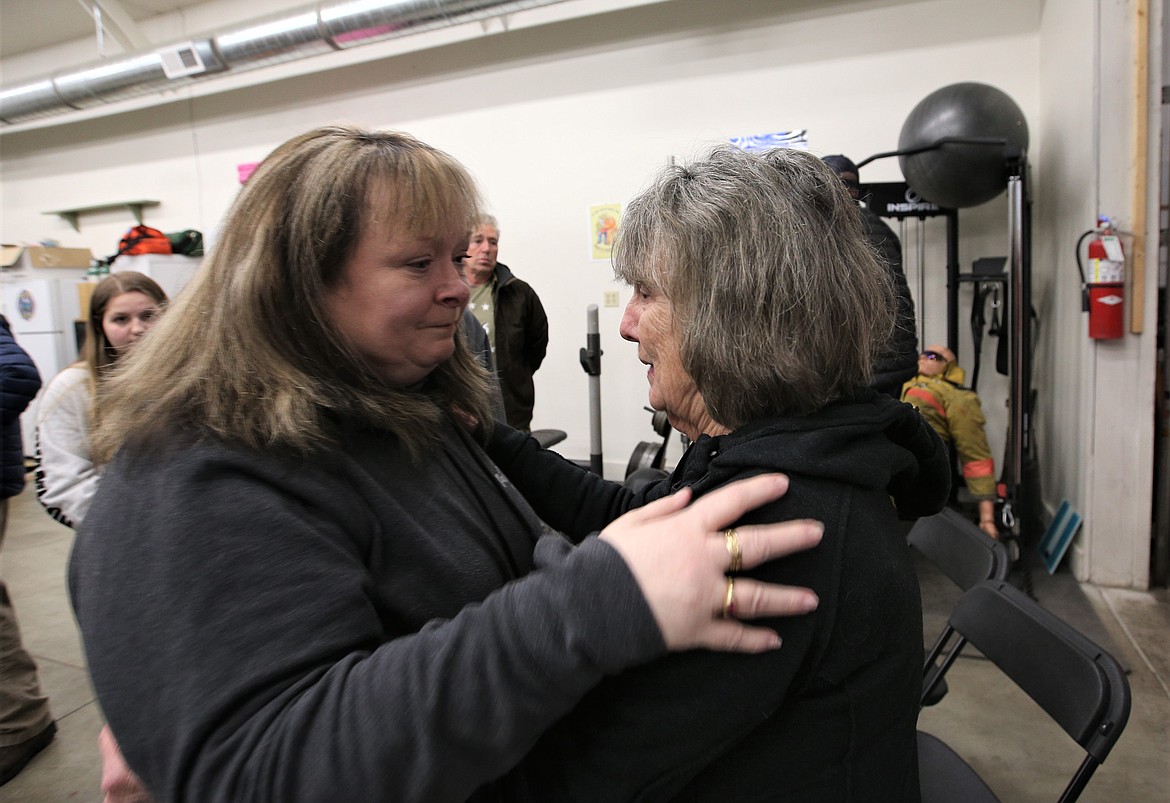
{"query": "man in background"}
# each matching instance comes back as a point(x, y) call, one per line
point(26, 726)
point(897, 364)
point(512, 316)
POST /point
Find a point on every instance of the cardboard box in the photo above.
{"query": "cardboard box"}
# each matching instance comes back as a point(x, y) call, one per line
point(84, 294)
point(17, 257)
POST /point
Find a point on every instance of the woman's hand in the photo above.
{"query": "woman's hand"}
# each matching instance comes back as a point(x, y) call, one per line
point(119, 783)
point(987, 518)
point(680, 556)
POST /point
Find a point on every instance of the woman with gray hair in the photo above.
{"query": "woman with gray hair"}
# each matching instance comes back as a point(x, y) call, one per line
point(759, 308)
point(303, 579)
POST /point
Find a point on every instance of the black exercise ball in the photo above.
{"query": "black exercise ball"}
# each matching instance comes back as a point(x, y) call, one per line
point(959, 175)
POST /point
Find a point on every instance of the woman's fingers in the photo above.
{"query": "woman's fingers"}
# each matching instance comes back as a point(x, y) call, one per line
point(760, 543)
point(727, 635)
point(755, 599)
point(659, 508)
point(714, 511)
point(680, 557)
point(752, 599)
point(725, 505)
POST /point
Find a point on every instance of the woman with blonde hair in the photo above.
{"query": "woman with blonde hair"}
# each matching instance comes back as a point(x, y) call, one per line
point(123, 308)
point(304, 579)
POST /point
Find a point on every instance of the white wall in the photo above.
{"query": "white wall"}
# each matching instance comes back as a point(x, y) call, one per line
point(1067, 192)
point(1121, 373)
point(581, 111)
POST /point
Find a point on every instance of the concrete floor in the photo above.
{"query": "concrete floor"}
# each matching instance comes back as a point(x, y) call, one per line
point(1002, 733)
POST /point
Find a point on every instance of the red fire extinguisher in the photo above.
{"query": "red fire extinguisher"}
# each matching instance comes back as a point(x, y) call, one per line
point(1103, 290)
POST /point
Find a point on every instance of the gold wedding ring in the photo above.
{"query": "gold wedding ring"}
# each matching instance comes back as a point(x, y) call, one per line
point(731, 539)
point(729, 599)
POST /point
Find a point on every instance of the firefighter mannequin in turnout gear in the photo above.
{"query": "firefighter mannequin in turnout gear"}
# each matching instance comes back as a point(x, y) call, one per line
point(956, 414)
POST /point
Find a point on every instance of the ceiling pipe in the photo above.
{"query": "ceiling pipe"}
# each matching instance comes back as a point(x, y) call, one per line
point(316, 29)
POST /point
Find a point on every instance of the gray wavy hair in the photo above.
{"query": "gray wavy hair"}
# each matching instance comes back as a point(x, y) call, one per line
point(484, 219)
point(781, 304)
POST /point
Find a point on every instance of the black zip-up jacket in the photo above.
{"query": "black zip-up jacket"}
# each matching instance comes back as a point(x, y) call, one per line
point(521, 340)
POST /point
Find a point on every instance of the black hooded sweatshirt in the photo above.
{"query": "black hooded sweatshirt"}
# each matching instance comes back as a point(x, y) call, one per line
point(831, 715)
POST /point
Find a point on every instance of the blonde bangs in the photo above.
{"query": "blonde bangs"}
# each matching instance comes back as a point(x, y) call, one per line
point(430, 193)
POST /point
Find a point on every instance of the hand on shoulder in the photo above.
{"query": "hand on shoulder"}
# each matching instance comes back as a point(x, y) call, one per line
point(680, 557)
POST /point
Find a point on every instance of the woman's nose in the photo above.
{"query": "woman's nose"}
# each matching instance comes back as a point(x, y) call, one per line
point(629, 325)
point(453, 290)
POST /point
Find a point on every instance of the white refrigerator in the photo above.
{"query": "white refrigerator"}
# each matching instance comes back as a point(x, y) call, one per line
point(171, 271)
point(41, 314)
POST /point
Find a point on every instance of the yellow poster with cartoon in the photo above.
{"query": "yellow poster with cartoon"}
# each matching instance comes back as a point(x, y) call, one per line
point(604, 220)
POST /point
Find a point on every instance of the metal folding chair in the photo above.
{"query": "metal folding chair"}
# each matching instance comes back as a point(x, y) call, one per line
point(1082, 687)
point(962, 552)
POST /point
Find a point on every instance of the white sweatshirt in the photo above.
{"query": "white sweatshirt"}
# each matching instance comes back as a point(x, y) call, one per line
point(66, 478)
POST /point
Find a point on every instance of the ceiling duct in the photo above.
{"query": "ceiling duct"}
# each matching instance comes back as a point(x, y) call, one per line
point(275, 41)
point(320, 28)
point(122, 78)
point(359, 23)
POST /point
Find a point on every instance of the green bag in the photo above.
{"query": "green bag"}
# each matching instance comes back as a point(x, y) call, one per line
point(188, 243)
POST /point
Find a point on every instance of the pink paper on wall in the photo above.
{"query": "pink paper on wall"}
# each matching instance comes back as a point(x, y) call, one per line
point(244, 171)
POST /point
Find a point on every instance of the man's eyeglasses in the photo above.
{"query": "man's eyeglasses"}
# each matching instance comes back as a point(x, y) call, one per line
point(934, 356)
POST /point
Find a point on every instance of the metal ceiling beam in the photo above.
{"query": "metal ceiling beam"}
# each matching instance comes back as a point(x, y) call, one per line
point(112, 18)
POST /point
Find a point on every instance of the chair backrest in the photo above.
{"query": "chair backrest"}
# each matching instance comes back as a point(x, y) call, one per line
point(962, 551)
point(1081, 686)
point(966, 555)
point(548, 437)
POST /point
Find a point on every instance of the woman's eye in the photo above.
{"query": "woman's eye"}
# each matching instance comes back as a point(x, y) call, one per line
point(419, 264)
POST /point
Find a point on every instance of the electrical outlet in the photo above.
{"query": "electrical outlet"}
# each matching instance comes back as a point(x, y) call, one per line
point(611, 298)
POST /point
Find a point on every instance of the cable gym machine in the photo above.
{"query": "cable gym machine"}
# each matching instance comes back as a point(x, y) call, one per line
point(960, 147)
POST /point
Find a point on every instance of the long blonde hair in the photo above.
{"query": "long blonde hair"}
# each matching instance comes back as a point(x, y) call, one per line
point(248, 353)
